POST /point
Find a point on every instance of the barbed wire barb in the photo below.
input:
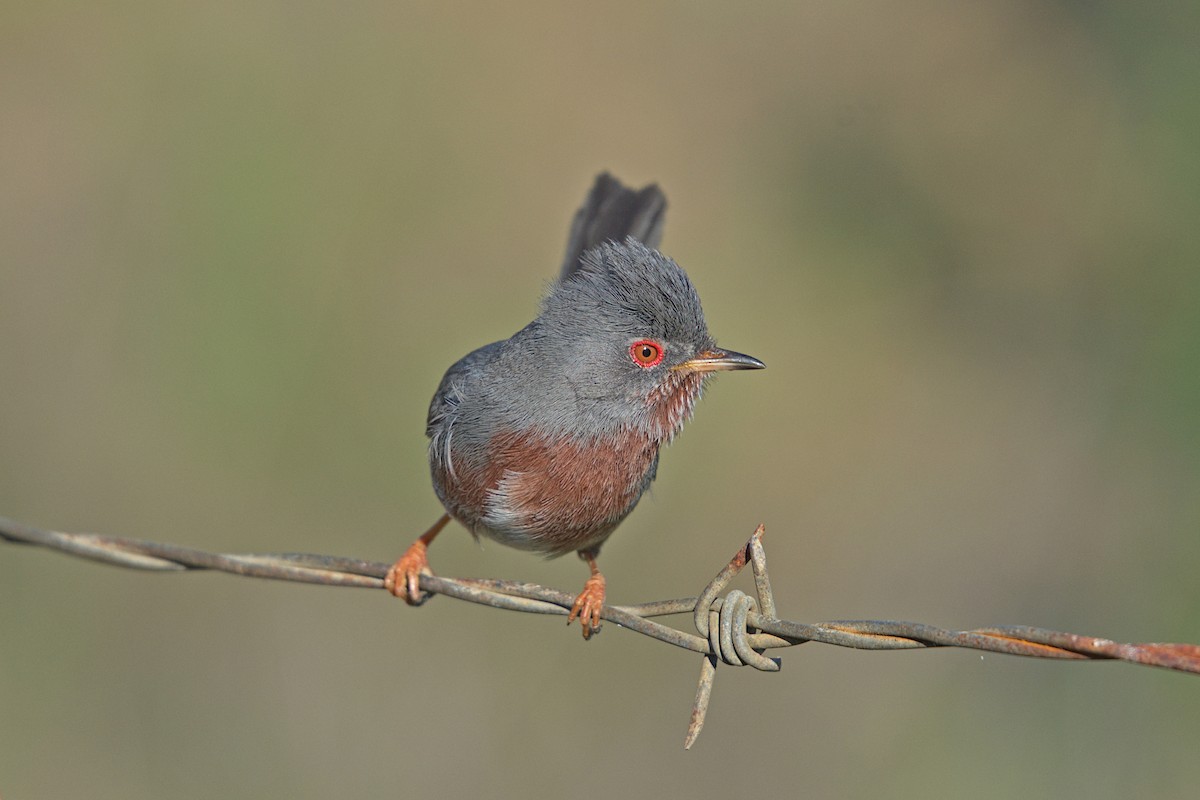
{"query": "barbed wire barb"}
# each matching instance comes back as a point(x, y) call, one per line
point(735, 629)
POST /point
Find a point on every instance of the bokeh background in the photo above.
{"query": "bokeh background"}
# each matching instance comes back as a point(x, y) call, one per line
point(240, 242)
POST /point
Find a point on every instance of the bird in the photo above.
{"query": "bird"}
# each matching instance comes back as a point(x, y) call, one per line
point(546, 441)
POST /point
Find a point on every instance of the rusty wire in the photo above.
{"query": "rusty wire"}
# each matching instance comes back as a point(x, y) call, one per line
point(735, 629)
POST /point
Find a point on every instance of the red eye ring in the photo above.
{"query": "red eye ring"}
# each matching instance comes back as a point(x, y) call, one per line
point(646, 353)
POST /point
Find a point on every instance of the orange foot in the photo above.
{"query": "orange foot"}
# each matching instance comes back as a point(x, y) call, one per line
point(404, 578)
point(588, 605)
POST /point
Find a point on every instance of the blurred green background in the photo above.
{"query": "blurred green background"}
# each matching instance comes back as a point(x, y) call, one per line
point(240, 242)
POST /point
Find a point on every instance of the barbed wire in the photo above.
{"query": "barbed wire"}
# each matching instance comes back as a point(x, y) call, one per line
point(735, 629)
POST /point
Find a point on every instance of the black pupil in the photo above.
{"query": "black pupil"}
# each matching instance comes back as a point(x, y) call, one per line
point(647, 353)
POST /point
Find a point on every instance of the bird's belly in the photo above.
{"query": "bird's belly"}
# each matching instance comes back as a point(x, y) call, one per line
point(547, 495)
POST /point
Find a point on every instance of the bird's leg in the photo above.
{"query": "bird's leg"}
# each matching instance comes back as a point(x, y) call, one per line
point(404, 578)
point(590, 601)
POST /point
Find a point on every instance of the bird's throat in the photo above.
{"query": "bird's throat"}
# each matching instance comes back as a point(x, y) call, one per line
point(670, 404)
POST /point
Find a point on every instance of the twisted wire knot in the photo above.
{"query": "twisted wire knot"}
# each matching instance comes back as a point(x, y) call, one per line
point(728, 633)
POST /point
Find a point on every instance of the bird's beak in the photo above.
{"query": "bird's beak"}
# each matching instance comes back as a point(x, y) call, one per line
point(719, 361)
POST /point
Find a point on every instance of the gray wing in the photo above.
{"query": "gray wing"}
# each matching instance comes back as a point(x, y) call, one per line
point(610, 213)
point(459, 383)
point(449, 393)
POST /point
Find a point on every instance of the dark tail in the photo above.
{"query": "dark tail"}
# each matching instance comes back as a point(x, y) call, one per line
point(612, 212)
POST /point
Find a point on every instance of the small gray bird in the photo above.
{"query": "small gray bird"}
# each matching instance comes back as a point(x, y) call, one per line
point(545, 441)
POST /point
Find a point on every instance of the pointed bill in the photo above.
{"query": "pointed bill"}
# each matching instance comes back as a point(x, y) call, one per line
point(719, 361)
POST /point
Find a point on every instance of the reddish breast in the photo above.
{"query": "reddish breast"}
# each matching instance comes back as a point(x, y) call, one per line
point(550, 495)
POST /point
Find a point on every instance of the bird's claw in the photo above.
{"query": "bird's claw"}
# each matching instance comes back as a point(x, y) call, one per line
point(588, 606)
point(404, 578)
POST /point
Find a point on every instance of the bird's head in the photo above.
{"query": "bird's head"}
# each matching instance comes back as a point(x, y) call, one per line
point(627, 331)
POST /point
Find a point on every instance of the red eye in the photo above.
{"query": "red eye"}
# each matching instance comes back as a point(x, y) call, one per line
point(646, 353)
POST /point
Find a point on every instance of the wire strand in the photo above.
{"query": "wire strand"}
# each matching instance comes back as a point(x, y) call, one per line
point(735, 629)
